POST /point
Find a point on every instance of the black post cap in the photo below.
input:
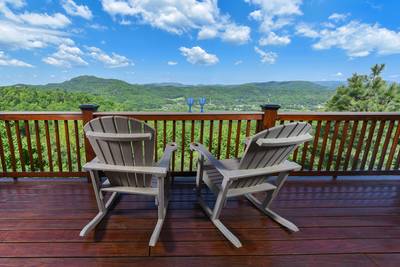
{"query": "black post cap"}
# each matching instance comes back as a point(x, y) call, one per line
point(90, 107)
point(270, 107)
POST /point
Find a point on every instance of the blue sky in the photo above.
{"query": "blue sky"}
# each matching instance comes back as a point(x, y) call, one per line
point(190, 41)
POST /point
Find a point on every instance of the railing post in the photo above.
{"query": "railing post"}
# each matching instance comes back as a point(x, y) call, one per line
point(270, 115)
point(87, 115)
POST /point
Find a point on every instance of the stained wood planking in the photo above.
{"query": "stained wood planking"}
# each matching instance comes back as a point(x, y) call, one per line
point(354, 260)
point(365, 234)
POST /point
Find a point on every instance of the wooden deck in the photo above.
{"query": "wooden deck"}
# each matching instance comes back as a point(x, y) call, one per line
point(343, 223)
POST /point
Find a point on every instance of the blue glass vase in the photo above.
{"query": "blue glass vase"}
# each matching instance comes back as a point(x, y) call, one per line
point(202, 102)
point(190, 102)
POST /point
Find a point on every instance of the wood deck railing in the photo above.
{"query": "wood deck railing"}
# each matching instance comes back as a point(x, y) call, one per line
point(52, 144)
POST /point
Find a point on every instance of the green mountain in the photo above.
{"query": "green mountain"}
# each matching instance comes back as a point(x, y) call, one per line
point(115, 94)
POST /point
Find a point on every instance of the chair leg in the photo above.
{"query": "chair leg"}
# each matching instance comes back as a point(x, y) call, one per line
point(156, 232)
point(199, 175)
point(215, 220)
point(273, 215)
point(163, 201)
point(97, 219)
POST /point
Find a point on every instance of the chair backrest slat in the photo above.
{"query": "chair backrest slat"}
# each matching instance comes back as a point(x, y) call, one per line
point(257, 156)
point(135, 147)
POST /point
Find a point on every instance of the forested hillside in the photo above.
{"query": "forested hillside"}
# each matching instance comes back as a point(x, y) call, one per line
point(114, 94)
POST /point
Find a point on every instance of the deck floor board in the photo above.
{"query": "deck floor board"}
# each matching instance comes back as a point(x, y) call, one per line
point(342, 223)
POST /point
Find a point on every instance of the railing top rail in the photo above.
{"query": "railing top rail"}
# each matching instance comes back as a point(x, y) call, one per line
point(40, 115)
point(338, 116)
point(214, 115)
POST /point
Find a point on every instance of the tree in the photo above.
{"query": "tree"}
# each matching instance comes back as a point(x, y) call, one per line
point(366, 93)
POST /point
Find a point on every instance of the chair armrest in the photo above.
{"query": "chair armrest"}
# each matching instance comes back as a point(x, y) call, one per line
point(287, 141)
point(203, 151)
point(166, 158)
point(286, 166)
point(95, 165)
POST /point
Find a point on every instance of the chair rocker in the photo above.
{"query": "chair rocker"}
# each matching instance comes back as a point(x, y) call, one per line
point(125, 154)
point(265, 155)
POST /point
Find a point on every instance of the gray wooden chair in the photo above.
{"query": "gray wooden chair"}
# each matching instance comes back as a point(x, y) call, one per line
point(265, 155)
point(125, 154)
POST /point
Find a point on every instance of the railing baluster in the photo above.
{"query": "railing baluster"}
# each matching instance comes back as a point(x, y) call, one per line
point(315, 144)
point(67, 143)
point(333, 145)
point(173, 140)
point(368, 145)
point(377, 144)
point(11, 146)
point(305, 149)
point(210, 138)
point(164, 134)
point(386, 144)
point(237, 140)
point(228, 141)
point(324, 142)
point(156, 141)
point(19, 145)
point(248, 128)
point(341, 145)
point(77, 146)
point(183, 146)
point(219, 141)
point(359, 146)
point(58, 147)
point(191, 140)
point(38, 145)
point(2, 156)
point(201, 131)
point(395, 143)
point(29, 142)
point(48, 145)
point(397, 164)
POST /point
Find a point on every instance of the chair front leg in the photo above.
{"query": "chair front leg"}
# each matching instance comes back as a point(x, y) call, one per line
point(162, 210)
point(103, 208)
point(199, 175)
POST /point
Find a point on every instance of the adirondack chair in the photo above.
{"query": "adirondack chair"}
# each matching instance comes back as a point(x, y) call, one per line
point(265, 155)
point(125, 154)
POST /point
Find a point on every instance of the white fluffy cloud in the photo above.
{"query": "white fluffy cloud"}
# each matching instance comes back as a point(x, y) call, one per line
point(30, 30)
point(66, 56)
point(111, 61)
point(266, 57)
point(338, 74)
point(172, 63)
point(274, 15)
point(180, 16)
point(74, 9)
point(306, 30)
point(6, 61)
point(338, 17)
point(28, 37)
point(54, 21)
point(273, 39)
point(356, 38)
point(197, 55)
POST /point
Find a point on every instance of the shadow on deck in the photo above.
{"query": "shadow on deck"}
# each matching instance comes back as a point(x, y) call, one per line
point(342, 223)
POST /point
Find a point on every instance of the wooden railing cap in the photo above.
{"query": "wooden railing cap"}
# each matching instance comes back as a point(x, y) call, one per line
point(270, 107)
point(89, 107)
